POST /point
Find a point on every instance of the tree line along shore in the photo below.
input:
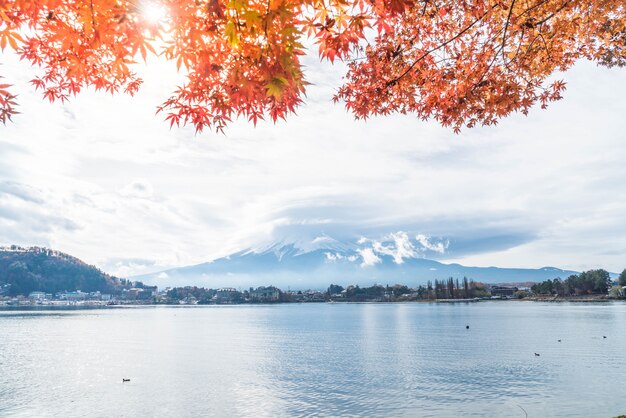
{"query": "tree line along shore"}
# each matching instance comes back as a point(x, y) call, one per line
point(592, 285)
point(39, 275)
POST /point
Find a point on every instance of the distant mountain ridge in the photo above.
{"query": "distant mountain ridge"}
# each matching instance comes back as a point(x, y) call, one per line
point(288, 265)
point(285, 265)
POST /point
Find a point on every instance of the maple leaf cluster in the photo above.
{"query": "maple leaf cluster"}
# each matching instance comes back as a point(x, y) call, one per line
point(7, 103)
point(460, 62)
point(468, 62)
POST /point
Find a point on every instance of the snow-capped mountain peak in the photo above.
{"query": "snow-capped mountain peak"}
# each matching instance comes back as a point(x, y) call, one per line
point(316, 262)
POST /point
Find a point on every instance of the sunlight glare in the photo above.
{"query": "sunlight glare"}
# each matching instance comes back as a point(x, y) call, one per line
point(154, 12)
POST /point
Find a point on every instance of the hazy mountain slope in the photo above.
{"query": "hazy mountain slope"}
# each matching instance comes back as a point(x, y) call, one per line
point(288, 265)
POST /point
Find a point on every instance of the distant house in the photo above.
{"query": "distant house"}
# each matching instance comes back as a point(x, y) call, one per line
point(144, 295)
point(132, 293)
point(148, 292)
point(74, 296)
point(503, 290)
point(141, 293)
point(313, 296)
point(227, 295)
point(151, 290)
point(37, 295)
point(264, 294)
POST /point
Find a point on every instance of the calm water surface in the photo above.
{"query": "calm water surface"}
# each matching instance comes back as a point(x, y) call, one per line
point(316, 359)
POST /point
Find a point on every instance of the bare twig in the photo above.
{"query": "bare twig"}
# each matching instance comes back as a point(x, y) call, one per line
point(526, 413)
point(506, 28)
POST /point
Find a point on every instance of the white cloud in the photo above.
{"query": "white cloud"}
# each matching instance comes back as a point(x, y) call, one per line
point(398, 245)
point(368, 256)
point(399, 248)
point(427, 244)
point(104, 179)
point(139, 188)
point(332, 257)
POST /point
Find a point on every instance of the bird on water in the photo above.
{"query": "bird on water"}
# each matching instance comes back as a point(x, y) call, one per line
point(537, 354)
point(125, 380)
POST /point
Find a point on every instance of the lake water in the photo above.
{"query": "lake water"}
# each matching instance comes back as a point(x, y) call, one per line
point(414, 359)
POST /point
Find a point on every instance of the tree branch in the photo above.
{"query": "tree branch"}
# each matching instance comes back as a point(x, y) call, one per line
point(425, 54)
point(506, 28)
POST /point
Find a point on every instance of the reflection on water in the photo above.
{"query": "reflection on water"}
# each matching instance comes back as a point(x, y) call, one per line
point(318, 359)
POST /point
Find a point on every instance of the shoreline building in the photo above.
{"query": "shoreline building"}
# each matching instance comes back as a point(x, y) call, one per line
point(264, 294)
point(227, 295)
point(507, 291)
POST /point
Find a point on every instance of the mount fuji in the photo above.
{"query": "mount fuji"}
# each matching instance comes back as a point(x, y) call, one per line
point(319, 262)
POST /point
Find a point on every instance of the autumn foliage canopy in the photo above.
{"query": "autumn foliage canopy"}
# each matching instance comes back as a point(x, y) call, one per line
point(460, 62)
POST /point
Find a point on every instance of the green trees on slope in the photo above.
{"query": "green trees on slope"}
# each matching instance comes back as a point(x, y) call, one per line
point(40, 269)
point(587, 282)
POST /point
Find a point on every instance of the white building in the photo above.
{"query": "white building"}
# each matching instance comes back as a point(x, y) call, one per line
point(74, 296)
point(37, 296)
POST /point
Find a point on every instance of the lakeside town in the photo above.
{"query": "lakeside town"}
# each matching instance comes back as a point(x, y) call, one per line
point(39, 276)
point(594, 285)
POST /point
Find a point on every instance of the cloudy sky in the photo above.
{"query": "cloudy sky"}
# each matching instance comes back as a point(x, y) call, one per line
point(106, 180)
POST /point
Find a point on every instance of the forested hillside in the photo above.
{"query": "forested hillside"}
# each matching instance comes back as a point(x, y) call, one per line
point(24, 270)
